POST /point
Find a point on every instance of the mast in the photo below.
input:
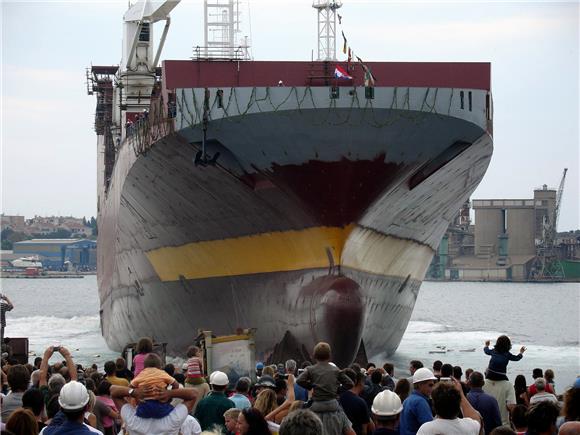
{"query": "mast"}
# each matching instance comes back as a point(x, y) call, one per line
point(326, 28)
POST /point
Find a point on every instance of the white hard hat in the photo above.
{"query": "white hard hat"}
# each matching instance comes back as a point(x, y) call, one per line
point(423, 374)
point(73, 396)
point(219, 378)
point(386, 403)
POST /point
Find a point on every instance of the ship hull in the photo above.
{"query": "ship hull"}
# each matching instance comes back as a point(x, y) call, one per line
point(305, 225)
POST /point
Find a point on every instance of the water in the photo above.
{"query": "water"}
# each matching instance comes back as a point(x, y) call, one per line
point(460, 316)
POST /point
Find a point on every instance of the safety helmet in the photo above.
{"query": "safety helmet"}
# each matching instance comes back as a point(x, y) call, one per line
point(73, 396)
point(386, 403)
point(423, 374)
point(219, 378)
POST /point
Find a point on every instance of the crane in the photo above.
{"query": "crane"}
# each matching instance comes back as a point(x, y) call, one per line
point(548, 265)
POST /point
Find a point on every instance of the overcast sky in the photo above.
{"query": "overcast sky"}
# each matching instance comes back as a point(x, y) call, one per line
point(49, 145)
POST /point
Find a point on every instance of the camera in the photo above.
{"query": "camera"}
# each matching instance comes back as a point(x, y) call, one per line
point(56, 348)
point(445, 380)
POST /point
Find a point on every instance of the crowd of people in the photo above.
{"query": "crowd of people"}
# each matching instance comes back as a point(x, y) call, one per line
point(55, 396)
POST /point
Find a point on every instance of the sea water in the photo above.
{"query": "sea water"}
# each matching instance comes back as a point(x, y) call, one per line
point(451, 322)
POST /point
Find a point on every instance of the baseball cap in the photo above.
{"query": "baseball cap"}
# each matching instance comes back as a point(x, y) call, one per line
point(576, 383)
point(259, 366)
point(73, 396)
point(219, 378)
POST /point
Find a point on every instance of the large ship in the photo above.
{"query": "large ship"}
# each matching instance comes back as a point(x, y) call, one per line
point(303, 199)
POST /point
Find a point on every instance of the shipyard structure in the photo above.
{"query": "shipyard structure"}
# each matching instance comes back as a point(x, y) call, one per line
point(510, 240)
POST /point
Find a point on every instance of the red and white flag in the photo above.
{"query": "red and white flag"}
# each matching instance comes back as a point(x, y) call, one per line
point(340, 73)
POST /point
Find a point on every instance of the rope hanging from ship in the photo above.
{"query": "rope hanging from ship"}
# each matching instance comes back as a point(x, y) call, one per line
point(197, 113)
point(232, 110)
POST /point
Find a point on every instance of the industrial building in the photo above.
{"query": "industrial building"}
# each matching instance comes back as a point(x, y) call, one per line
point(54, 253)
point(510, 240)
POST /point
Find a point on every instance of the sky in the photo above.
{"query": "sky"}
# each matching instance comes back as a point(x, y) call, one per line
point(48, 145)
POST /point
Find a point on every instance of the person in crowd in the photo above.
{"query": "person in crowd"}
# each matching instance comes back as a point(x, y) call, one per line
point(121, 370)
point(252, 422)
point(301, 422)
point(259, 369)
point(266, 401)
point(449, 401)
point(278, 414)
point(33, 399)
point(457, 374)
point(571, 409)
point(22, 422)
point(5, 306)
point(519, 417)
point(446, 371)
point(90, 417)
point(500, 357)
point(437, 368)
point(497, 384)
point(73, 400)
point(549, 377)
point(542, 418)
point(300, 393)
point(417, 407)
point(354, 406)
point(542, 394)
point(144, 348)
point(177, 421)
point(483, 403)
point(210, 410)
point(414, 365)
point(537, 373)
point(403, 388)
point(389, 380)
point(111, 375)
point(324, 378)
point(152, 376)
point(372, 389)
point(468, 373)
point(231, 420)
point(169, 369)
point(18, 379)
point(386, 410)
point(281, 390)
point(194, 377)
point(108, 418)
point(240, 396)
point(521, 390)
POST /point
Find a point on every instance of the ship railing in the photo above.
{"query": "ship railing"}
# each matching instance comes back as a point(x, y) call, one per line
point(154, 125)
point(219, 52)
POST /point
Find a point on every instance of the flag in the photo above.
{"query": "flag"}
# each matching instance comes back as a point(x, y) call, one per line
point(340, 73)
point(369, 77)
point(344, 45)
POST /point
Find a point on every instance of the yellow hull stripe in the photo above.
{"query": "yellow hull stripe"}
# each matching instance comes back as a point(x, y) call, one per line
point(261, 253)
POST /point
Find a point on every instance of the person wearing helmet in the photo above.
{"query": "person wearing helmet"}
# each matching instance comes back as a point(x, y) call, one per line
point(210, 410)
point(417, 407)
point(74, 401)
point(386, 411)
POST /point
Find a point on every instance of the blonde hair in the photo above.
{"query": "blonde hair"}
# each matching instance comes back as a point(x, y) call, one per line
point(297, 404)
point(232, 413)
point(266, 401)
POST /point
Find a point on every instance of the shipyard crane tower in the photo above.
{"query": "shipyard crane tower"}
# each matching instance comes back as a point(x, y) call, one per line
point(549, 266)
point(137, 72)
point(327, 11)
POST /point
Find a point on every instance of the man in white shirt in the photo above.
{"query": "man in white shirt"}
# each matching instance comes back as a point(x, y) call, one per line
point(448, 400)
point(169, 425)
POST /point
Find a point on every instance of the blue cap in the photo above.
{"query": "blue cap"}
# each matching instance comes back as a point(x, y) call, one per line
point(259, 366)
point(577, 382)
